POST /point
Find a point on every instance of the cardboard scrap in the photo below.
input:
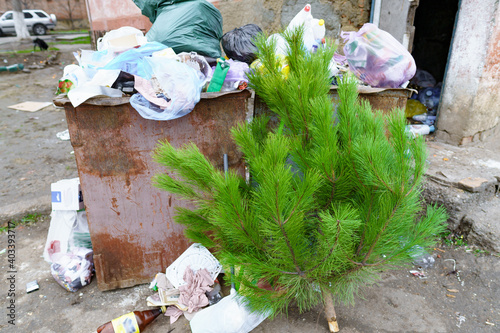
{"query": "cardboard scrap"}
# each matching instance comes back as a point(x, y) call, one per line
point(30, 106)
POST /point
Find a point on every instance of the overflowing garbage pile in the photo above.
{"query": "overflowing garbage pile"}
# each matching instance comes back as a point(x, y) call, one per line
point(166, 70)
point(190, 287)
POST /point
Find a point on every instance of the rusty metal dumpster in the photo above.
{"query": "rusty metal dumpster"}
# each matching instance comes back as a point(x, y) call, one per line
point(131, 222)
point(379, 98)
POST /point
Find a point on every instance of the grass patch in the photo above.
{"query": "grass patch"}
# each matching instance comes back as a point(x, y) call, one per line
point(453, 240)
point(29, 219)
point(60, 32)
point(78, 40)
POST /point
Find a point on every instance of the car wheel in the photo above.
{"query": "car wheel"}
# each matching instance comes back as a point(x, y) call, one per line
point(1, 33)
point(39, 29)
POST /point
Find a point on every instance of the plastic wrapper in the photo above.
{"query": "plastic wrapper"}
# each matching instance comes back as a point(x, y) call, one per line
point(238, 43)
point(413, 108)
point(184, 25)
point(377, 58)
point(236, 77)
point(73, 270)
point(68, 229)
point(121, 39)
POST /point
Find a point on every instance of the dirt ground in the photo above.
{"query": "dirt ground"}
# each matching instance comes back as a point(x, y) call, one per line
point(32, 157)
point(465, 301)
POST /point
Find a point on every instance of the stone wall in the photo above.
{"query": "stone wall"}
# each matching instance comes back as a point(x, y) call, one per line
point(272, 15)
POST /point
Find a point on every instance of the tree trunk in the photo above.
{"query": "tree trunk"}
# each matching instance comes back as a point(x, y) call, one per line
point(19, 24)
point(330, 315)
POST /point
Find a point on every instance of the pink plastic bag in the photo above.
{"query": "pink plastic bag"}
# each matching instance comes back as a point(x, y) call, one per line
point(377, 58)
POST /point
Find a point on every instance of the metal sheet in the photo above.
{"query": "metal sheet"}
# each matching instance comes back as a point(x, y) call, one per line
point(131, 222)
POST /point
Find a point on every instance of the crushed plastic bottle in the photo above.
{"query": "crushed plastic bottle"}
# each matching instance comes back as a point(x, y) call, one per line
point(421, 258)
point(430, 98)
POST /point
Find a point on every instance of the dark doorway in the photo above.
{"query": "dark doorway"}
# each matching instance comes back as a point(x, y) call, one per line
point(434, 22)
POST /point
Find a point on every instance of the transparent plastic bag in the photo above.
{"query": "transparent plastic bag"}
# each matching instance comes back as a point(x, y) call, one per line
point(182, 86)
point(73, 270)
point(377, 58)
point(229, 315)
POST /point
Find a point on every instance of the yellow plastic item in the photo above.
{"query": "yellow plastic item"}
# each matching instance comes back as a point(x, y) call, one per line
point(414, 107)
point(285, 69)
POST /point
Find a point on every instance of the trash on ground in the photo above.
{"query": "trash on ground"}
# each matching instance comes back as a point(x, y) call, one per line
point(192, 293)
point(32, 286)
point(461, 319)
point(73, 270)
point(3, 251)
point(12, 68)
point(30, 106)
point(64, 135)
point(135, 321)
point(68, 230)
point(66, 193)
point(196, 257)
point(227, 316)
point(414, 108)
point(489, 323)
point(189, 284)
point(418, 130)
point(418, 274)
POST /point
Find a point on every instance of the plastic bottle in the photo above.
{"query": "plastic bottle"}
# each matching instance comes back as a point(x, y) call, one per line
point(319, 30)
point(430, 98)
point(304, 17)
point(12, 68)
point(219, 75)
point(420, 129)
point(132, 322)
point(301, 17)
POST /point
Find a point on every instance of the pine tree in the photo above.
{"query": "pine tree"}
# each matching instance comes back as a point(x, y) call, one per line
point(333, 197)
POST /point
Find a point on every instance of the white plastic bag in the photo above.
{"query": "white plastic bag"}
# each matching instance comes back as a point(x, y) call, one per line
point(377, 58)
point(181, 84)
point(121, 39)
point(230, 315)
point(68, 229)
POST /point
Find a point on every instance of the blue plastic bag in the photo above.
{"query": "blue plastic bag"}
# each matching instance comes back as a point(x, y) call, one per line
point(132, 61)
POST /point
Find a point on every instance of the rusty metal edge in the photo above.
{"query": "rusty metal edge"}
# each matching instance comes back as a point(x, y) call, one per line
point(371, 90)
point(61, 100)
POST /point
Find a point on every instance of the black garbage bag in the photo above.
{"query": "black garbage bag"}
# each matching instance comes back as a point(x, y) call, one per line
point(238, 43)
point(184, 25)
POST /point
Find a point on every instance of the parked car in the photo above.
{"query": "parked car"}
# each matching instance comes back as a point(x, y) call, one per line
point(37, 21)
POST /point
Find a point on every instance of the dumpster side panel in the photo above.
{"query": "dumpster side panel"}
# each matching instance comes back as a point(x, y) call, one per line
point(131, 223)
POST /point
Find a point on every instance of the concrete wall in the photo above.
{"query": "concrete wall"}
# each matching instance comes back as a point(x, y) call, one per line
point(470, 106)
point(110, 15)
